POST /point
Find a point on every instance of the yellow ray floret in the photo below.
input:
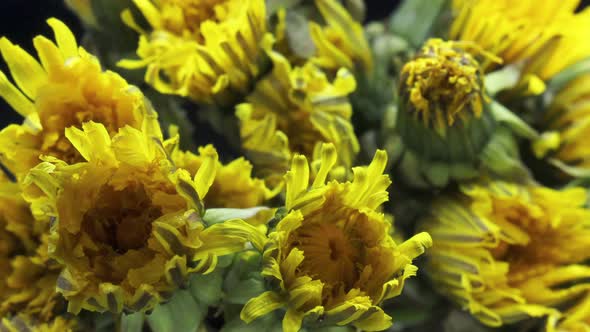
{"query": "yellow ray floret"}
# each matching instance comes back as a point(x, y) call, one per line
point(66, 87)
point(127, 223)
point(341, 42)
point(209, 51)
point(294, 110)
point(331, 258)
point(545, 37)
point(506, 252)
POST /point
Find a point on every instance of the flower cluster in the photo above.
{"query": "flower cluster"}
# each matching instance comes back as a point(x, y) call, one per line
point(277, 165)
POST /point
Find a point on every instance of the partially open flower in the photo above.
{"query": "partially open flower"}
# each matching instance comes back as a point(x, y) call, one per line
point(209, 51)
point(443, 118)
point(67, 88)
point(127, 224)
point(567, 126)
point(544, 37)
point(330, 259)
point(505, 252)
point(294, 110)
point(341, 43)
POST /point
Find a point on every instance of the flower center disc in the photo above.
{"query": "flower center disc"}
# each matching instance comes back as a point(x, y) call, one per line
point(121, 220)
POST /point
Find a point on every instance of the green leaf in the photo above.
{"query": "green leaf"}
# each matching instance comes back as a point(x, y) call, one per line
point(133, 322)
point(414, 19)
point(181, 313)
point(216, 216)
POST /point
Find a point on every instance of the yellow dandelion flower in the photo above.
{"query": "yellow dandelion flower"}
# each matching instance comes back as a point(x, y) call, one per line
point(127, 224)
point(293, 110)
point(209, 51)
point(233, 187)
point(545, 37)
point(66, 88)
point(28, 275)
point(567, 125)
point(506, 252)
point(331, 258)
point(341, 42)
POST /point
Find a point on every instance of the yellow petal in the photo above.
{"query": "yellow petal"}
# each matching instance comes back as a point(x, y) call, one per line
point(93, 142)
point(206, 173)
point(129, 20)
point(50, 56)
point(377, 321)
point(26, 71)
point(297, 179)
point(130, 147)
point(416, 245)
point(65, 38)
point(260, 306)
point(292, 321)
point(150, 12)
point(328, 160)
point(21, 104)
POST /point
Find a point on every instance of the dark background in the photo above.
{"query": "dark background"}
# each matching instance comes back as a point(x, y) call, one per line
point(22, 20)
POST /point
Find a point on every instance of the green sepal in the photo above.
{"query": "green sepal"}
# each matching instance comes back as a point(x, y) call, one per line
point(432, 158)
point(461, 142)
